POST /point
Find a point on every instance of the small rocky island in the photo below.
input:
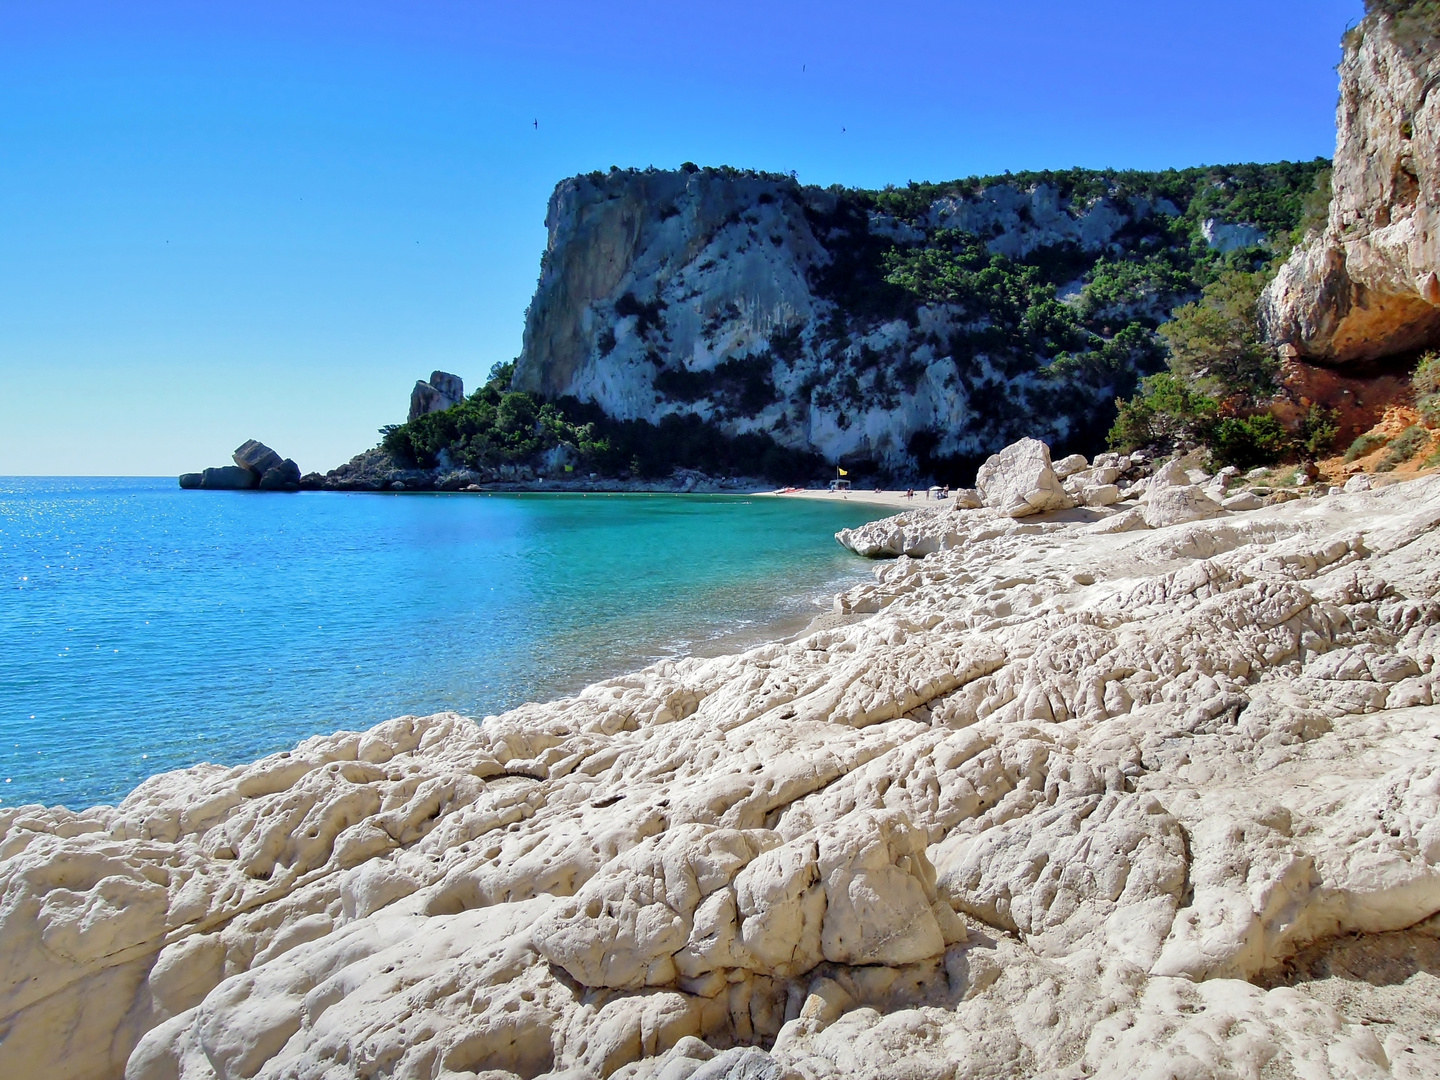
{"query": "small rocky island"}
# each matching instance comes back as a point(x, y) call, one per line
point(256, 467)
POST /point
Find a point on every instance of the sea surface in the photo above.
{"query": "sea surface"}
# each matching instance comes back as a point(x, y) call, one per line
point(145, 628)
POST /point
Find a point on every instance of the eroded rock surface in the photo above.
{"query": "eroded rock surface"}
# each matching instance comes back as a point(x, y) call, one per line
point(1071, 802)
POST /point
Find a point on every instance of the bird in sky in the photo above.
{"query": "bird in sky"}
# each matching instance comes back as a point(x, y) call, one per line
point(537, 125)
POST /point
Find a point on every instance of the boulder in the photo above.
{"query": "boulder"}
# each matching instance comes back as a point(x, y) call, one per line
point(1245, 500)
point(228, 478)
point(191, 480)
point(256, 457)
point(1069, 466)
point(1099, 495)
point(282, 477)
point(967, 499)
point(450, 386)
point(698, 899)
point(443, 391)
point(1174, 504)
point(1019, 481)
point(1169, 474)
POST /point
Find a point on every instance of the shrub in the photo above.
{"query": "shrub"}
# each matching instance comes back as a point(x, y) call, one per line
point(1246, 442)
point(1429, 408)
point(1426, 379)
point(1404, 447)
point(1215, 342)
point(1365, 444)
point(647, 316)
point(1412, 22)
point(1112, 286)
point(1317, 431)
point(1163, 413)
point(742, 385)
point(1315, 208)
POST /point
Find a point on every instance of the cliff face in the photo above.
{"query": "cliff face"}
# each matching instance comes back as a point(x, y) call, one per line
point(898, 330)
point(1367, 288)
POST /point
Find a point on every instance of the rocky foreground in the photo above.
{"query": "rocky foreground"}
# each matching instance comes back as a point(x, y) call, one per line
point(1069, 802)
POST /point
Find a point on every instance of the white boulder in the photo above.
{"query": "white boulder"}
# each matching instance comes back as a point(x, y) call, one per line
point(1099, 495)
point(1019, 481)
point(1245, 500)
point(967, 499)
point(1178, 504)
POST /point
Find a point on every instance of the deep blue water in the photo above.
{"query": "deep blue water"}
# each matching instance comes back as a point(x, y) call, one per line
point(144, 628)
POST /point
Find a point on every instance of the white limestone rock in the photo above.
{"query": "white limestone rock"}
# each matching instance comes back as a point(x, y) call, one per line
point(442, 391)
point(967, 499)
point(1244, 500)
point(1358, 482)
point(1018, 481)
point(655, 280)
point(1176, 504)
point(1099, 495)
point(1368, 285)
point(1072, 801)
point(915, 533)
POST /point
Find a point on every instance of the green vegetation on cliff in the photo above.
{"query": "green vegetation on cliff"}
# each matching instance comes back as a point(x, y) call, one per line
point(497, 426)
point(1058, 329)
point(1221, 386)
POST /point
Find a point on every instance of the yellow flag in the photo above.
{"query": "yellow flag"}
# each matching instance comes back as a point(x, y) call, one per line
point(842, 471)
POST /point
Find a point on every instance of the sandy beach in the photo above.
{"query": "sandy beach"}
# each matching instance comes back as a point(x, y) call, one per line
point(894, 499)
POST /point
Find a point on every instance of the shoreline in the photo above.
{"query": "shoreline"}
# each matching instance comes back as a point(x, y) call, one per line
point(1042, 684)
point(891, 499)
point(795, 607)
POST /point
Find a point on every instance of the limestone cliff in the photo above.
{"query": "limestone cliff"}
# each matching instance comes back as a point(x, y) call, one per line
point(1366, 287)
point(899, 328)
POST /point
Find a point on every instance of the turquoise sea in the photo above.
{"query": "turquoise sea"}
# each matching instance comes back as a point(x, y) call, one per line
point(144, 628)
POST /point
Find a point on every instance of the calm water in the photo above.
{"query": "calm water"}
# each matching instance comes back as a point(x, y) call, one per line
point(143, 628)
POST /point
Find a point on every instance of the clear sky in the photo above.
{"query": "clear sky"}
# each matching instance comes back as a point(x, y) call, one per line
point(223, 220)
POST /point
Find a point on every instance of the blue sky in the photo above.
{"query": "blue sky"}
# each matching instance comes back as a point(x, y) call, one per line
point(229, 220)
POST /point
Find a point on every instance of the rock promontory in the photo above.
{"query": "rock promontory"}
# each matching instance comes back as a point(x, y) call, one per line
point(907, 332)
